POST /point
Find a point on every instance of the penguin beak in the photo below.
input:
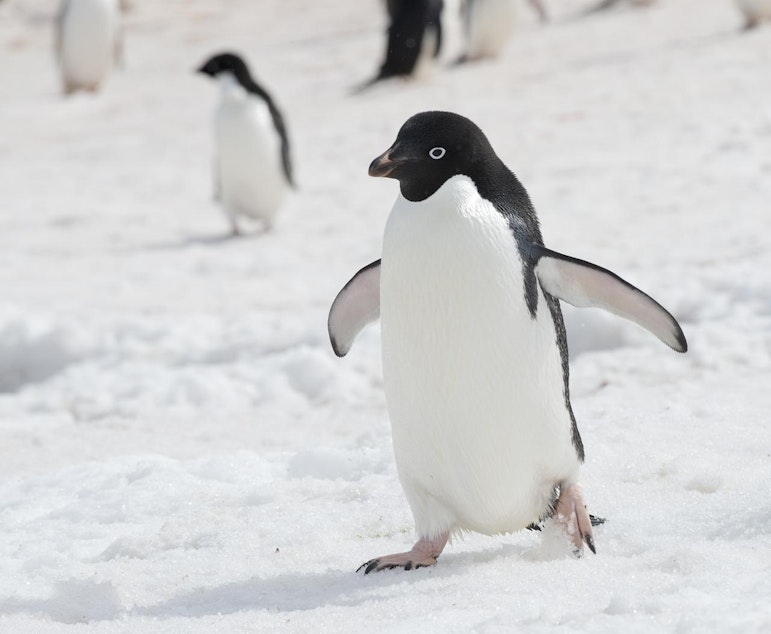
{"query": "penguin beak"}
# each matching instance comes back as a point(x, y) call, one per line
point(383, 165)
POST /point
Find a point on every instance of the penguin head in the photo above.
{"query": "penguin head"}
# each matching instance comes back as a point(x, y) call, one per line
point(432, 147)
point(226, 63)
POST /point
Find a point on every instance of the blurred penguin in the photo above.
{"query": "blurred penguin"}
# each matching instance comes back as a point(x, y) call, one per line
point(414, 38)
point(252, 165)
point(488, 24)
point(755, 11)
point(88, 42)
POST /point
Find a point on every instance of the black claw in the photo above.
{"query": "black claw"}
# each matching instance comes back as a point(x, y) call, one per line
point(590, 542)
point(596, 521)
point(408, 565)
point(368, 566)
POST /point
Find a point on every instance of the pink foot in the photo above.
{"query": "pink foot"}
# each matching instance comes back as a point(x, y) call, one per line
point(424, 553)
point(571, 511)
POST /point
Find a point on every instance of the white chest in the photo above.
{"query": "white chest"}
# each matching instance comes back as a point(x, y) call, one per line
point(248, 151)
point(473, 383)
point(491, 22)
point(89, 33)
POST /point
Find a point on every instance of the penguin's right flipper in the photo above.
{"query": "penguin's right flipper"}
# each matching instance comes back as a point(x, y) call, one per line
point(356, 305)
point(583, 284)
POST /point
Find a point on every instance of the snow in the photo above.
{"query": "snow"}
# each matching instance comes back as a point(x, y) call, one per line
point(181, 451)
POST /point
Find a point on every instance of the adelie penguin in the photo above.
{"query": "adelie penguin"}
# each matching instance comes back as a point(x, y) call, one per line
point(252, 162)
point(88, 41)
point(488, 25)
point(414, 38)
point(475, 357)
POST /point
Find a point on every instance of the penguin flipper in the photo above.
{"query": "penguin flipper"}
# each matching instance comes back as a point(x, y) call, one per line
point(356, 305)
point(585, 284)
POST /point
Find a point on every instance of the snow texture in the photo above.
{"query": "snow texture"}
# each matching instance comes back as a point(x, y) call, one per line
point(180, 451)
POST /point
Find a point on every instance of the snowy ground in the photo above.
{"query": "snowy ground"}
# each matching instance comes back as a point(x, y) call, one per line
point(180, 450)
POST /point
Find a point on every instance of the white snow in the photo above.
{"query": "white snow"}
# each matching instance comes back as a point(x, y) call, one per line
point(180, 451)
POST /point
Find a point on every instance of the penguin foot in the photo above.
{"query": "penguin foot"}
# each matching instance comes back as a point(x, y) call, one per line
point(423, 554)
point(571, 512)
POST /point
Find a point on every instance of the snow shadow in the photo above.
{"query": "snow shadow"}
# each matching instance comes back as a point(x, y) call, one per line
point(32, 354)
point(73, 601)
point(300, 592)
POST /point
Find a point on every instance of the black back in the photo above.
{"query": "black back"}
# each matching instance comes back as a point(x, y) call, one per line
point(232, 63)
point(409, 21)
point(467, 152)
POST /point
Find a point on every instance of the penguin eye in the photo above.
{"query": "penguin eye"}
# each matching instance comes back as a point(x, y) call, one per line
point(437, 152)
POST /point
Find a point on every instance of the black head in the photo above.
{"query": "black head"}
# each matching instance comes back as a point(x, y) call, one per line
point(225, 62)
point(432, 147)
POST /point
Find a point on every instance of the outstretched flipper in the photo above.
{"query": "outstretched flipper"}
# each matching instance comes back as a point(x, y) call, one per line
point(585, 284)
point(356, 305)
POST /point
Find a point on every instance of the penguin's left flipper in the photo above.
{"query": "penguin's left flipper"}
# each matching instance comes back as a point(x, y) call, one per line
point(585, 284)
point(356, 305)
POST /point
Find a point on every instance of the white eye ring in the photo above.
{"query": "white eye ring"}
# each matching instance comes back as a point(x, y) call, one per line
point(437, 152)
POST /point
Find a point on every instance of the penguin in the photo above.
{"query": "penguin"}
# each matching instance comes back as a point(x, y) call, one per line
point(253, 166)
point(88, 41)
point(755, 11)
point(414, 38)
point(474, 351)
point(488, 24)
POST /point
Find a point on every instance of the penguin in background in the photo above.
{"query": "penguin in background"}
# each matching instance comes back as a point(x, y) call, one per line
point(487, 25)
point(88, 42)
point(475, 357)
point(414, 39)
point(252, 163)
point(754, 11)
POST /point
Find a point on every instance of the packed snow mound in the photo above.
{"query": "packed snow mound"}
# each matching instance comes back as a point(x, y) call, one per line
point(33, 349)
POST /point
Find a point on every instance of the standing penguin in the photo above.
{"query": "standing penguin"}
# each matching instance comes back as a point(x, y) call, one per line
point(253, 167)
point(87, 42)
point(414, 38)
point(755, 11)
point(488, 24)
point(475, 358)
